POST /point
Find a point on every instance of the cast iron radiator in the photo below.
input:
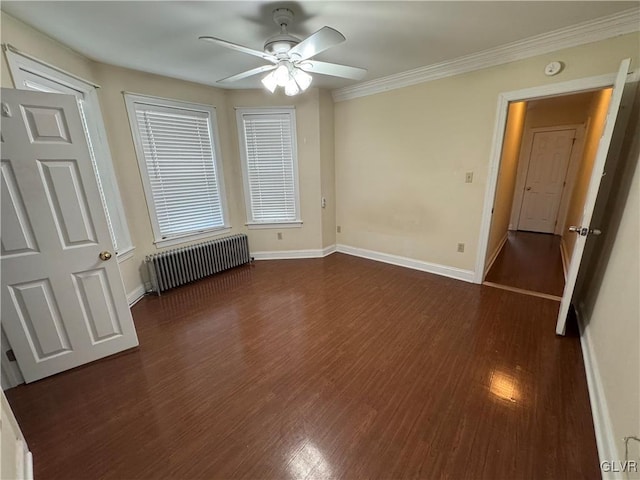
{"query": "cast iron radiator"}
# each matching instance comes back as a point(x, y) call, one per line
point(183, 265)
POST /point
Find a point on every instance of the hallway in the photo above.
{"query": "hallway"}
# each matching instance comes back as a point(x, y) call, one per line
point(529, 261)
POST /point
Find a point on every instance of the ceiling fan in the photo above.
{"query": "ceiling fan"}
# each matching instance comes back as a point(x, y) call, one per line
point(290, 57)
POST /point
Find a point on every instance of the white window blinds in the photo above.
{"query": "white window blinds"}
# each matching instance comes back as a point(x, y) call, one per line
point(269, 154)
point(178, 152)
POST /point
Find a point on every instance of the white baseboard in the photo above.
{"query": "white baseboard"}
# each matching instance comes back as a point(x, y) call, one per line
point(495, 253)
point(135, 295)
point(565, 259)
point(451, 272)
point(605, 441)
point(293, 254)
point(326, 251)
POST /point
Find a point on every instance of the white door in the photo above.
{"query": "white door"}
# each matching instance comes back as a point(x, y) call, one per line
point(546, 173)
point(63, 301)
point(592, 193)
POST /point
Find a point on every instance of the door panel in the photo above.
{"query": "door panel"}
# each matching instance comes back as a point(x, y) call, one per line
point(17, 234)
point(40, 318)
point(68, 202)
point(547, 169)
point(45, 124)
point(62, 306)
point(98, 306)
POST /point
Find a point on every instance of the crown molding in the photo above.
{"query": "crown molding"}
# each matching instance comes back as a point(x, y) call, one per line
point(602, 28)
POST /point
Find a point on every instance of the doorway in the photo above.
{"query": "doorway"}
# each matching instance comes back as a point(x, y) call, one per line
point(547, 157)
point(615, 115)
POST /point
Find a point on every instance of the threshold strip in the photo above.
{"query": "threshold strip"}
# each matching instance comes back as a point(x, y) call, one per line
point(523, 291)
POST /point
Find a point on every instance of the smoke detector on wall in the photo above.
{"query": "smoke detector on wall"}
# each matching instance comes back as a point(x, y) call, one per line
point(553, 68)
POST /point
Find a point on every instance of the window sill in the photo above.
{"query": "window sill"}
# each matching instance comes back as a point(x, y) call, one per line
point(169, 242)
point(258, 226)
point(125, 254)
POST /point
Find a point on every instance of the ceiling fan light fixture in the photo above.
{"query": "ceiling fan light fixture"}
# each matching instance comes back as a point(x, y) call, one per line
point(286, 53)
point(281, 74)
point(270, 82)
point(302, 78)
point(291, 88)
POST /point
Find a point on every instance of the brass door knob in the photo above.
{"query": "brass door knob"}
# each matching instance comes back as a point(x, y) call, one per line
point(105, 255)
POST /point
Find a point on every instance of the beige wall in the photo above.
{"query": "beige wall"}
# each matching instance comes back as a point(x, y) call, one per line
point(597, 116)
point(401, 156)
point(608, 300)
point(564, 110)
point(328, 170)
point(32, 41)
point(506, 183)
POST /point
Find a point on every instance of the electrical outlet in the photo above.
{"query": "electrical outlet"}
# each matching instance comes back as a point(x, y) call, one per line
point(279, 235)
point(468, 178)
point(461, 247)
point(339, 229)
point(323, 202)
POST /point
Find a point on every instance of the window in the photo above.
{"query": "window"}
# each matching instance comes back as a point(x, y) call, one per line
point(270, 166)
point(177, 149)
point(30, 74)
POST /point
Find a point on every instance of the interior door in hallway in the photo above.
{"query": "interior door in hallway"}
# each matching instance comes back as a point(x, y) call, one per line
point(63, 301)
point(546, 173)
point(608, 148)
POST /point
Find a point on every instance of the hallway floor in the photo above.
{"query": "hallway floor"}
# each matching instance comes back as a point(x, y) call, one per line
point(530, 261)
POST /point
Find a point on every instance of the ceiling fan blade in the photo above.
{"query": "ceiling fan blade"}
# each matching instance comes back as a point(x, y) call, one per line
point(248, 73)
point(333, 69)
point(240, 48)
point(315, 43)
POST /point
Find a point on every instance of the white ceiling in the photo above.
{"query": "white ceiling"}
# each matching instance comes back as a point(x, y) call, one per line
point(384, 37)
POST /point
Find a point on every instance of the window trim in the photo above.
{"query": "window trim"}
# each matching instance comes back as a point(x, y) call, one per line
point(21, 65)
point(291, 111)
point(130, 101)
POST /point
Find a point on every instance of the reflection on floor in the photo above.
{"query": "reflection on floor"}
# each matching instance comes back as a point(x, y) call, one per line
point(530, 261)
point(329, 368)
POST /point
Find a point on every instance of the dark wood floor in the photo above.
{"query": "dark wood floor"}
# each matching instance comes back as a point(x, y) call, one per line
point(326, 368)
point(530, 261)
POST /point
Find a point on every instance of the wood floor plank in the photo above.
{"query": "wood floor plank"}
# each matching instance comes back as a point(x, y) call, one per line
point(326, 368)
point(530, 261)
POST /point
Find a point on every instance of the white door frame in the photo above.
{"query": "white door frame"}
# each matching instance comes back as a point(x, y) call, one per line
point(533, 93)
point(523, 169)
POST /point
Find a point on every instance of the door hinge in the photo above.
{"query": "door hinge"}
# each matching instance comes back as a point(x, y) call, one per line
point(11, 356)
point(6, 111)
